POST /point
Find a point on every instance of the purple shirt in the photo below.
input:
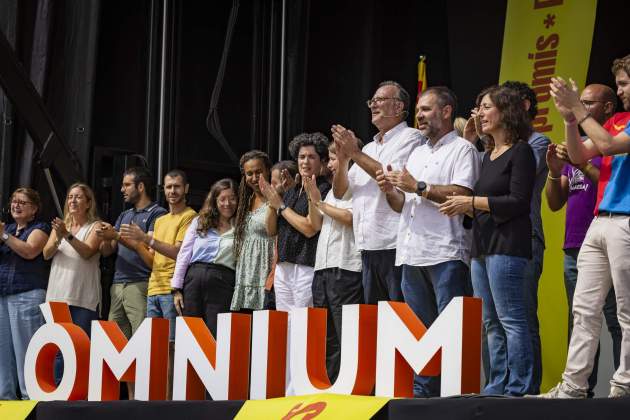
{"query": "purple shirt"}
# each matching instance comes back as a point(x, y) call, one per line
point(580, 204)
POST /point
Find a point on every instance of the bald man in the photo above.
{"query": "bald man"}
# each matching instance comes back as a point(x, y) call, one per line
point(576, 185)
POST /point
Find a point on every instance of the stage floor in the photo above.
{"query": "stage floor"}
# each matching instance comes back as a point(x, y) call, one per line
point(426, 409)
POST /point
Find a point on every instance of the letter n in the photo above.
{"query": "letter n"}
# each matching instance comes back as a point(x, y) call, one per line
point(201, 363)
point(143, 360)
point(451, 345)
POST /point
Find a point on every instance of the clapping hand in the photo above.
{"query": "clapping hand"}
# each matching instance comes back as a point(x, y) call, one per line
point(382, 181)
point(456, 205)
point(472, 129)
point(310, 186)
point(272, 196)
point(565, 97)
point(402, 180)
point(59, 226)
point(346, 141)
point(133, 232)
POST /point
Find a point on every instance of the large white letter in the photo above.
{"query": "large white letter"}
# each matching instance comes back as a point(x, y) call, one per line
point(58, 334)
point(405, 346)
point(269, 359)
point(143, 359)
point(308, 351)
point(221, 367)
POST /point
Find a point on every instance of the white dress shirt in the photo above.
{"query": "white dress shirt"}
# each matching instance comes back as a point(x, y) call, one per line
point(335, 246)
point(426, 236)
point(375, 223)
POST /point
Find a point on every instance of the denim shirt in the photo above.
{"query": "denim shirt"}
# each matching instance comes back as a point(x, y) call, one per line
point(538, 143)
point(18, 275)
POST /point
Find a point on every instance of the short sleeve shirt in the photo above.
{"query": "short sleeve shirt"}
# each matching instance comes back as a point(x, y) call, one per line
point(129, 265)
point(170, 229)
point(293, 246)
point(426, 236)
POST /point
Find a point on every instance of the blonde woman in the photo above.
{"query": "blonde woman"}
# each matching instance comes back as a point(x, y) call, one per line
point(73, 245)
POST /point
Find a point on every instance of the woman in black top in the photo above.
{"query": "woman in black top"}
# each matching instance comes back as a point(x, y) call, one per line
point(288, 217)
point(501, 237)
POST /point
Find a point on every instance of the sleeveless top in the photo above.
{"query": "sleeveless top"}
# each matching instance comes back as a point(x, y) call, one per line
point(73, 279)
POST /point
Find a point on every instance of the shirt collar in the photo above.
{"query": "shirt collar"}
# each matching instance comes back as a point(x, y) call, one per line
point(147, 209)
point(391, 133)
point(446, 138)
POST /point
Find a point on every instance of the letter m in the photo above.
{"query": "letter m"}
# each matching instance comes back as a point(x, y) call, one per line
point(452, 346)
point(143, 360)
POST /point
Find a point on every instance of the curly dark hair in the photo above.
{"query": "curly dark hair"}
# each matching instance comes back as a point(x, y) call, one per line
point(514, 119)
point(209, 214)
point(318, 140)
point(526, 93)
point(245, 194)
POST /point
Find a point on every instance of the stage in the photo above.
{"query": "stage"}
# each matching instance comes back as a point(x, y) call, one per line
point(426, 409)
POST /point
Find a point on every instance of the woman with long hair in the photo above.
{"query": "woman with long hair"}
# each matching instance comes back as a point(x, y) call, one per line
point(253, 248)
point(203, 281)
point(501, 237)
point(75, 275)
point(23, 277)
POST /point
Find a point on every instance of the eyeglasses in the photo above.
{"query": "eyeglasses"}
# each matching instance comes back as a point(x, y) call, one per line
point(378, 99)
point(20, 203)
point(589, 104)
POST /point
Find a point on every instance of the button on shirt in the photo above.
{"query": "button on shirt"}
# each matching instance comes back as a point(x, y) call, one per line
point(129, 265)
point(426, 236)
point(335, 246)
point(375, 223)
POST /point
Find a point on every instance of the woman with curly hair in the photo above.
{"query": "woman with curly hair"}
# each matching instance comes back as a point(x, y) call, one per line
point(253, 248)
point(501, 237)
point(203, 282)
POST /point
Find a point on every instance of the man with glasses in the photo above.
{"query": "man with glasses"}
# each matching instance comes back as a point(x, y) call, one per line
point(576, 185)
point(375, 224)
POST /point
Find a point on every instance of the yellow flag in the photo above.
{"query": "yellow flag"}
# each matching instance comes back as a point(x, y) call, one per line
point(320, 406)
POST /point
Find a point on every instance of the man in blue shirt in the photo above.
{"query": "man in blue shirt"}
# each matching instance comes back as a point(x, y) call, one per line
point(603, 258)
point(133, 259)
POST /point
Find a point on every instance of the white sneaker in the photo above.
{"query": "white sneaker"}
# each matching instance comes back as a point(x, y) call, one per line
point(563, 390)
point(617, 391)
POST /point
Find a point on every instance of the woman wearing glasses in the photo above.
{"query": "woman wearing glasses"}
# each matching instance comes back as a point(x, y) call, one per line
point(23, 276)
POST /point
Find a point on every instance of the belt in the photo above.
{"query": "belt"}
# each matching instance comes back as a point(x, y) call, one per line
point(611, 214)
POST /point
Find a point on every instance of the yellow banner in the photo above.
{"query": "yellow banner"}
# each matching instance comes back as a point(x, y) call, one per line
point(16, 410)
point(542, 39)
point(320, 406)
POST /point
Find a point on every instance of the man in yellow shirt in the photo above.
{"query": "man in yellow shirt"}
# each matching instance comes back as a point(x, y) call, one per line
point(163, 247)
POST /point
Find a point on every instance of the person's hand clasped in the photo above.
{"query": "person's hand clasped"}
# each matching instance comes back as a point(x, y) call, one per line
point(554, 162)
point(456, 205)
point(383, 183)
point(402, 180)
point(310, 186)
point(133, 232)
point(565, 97)
point(59, 226)
point(106, 232)
point(346, 142)
point(272, 196)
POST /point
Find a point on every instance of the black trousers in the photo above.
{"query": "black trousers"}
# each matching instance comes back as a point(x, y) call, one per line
point(333, 288)
point(208, 290)
point(381, 277)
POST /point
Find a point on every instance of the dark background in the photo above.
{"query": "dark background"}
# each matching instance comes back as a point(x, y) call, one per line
point(98, 63)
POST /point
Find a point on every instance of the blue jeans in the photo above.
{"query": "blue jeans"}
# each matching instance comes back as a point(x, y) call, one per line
point(498, 281)
point(20, 318)
point(610, 313)
point(532, 273)
point(427, 291)
point(162, 306)
point(83, 318)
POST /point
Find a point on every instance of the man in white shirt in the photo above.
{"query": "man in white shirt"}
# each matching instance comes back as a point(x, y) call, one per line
point(375, 224)
point(432, 248)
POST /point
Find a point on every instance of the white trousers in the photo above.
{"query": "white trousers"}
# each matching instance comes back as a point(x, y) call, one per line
point(604, 261)
point(293, 286)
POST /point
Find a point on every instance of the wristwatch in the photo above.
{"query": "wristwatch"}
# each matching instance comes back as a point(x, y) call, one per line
point(69, 237)
point(4, 237)
point(420, 187)
point(281, 208)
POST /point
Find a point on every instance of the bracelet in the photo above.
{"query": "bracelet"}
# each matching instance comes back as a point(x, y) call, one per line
point(587, 116)
point(570, 123)
point(473, 202)
point(553, 178)
point(152, 242)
